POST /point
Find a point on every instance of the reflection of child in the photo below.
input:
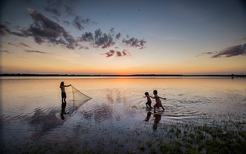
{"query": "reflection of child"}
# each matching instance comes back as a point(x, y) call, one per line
point(158, 101)
point(148, 116)
point(148, 103)
point(156, 121)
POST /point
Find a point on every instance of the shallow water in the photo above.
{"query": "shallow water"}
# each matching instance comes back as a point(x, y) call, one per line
point(30, 109)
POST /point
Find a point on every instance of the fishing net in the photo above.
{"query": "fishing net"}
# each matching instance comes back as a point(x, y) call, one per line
point(79, 99)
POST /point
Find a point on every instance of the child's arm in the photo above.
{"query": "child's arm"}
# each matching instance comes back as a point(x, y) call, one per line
point(67, 85)
point(163, 98)
point(152, 97)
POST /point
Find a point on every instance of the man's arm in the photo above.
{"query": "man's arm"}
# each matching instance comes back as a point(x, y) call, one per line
point(67, 85)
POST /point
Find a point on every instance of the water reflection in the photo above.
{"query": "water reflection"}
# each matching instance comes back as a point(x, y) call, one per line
point(156, 121)
point(44, 121)
point(148, 116)
point(157, 118)
point(117, 107)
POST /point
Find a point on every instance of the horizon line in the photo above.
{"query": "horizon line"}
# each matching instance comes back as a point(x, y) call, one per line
point(67, 74)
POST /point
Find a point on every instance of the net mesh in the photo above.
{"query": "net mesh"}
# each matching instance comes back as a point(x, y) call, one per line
point(78, 95)
point(79, 99)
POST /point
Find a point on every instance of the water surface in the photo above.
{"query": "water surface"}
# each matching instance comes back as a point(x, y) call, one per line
point(116, 114)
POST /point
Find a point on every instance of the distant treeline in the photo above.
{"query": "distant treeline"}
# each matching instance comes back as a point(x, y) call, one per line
point(140, 75)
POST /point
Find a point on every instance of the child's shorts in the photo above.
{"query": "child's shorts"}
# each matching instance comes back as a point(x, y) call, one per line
point(63, 95)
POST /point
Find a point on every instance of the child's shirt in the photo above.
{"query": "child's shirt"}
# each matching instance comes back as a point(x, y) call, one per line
point(62, 89)
point(158, 101)
point(148, 99)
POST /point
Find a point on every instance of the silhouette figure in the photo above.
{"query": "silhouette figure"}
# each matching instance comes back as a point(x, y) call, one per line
point(157, 100)
point(148, 116)
point(148, 103)
point(64, 96)
point(156, 121)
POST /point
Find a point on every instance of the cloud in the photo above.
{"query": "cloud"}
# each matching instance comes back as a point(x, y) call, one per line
point(134, 42)
point(110, 53)
point(13, 44)
point(83, 47)
point(21, 44)
point(87, 36)
point(236, 50)
point(117, 36)
point(4, 30)
point(66, 22)
point(116, 53)
point(4, 51)
point(77, 23)
point(35, 51)
point(24, 44)
point(103, 40)
point(53, 11)
point(80, 22)
point(98, 38)
point(69, 10)
point(43, 29)
point(47, 30)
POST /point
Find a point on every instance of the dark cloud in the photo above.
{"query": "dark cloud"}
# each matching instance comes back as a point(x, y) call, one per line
point(80, 22)
point(4, 30)
point(83, 47)
point(125, 53)
point(43, 29)
point(47, 30)
point(118, 53)
point(53, 11)
point(35, 51)
point(103, 40)
point(134, 42)
point(87, 36)
point(236, 50)
point(69, 10)
point(98, 38)
point(208, 53)
point(13, 44)
point(24, 44)
point(66, 22)
point(60, 7)
point(77, 23)
point(21, 44)
point(4, 51)
point(117, 36)
point(111, 30)
point(111, 53)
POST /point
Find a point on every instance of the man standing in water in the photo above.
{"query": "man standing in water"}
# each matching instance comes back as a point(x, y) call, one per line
point(63, 95)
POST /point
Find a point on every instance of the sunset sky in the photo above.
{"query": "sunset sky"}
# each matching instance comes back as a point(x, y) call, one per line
point(123, 36)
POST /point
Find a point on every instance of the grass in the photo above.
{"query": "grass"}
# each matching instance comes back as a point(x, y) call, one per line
point(186, 139)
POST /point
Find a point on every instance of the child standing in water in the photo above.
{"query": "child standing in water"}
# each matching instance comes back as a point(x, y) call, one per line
point(148, 103)
point(63, 95)
point(158, 101)
point(63, 92)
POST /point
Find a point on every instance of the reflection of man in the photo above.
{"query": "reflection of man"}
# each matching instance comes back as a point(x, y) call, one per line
point(156, 121)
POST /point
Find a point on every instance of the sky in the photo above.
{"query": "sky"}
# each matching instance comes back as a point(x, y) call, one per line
point(123, 36)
